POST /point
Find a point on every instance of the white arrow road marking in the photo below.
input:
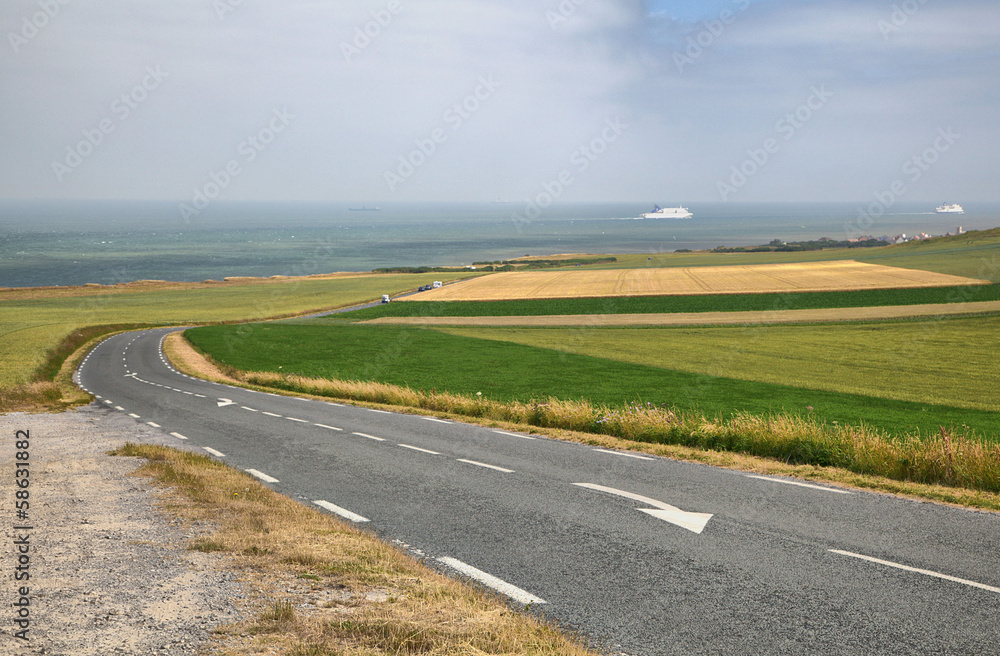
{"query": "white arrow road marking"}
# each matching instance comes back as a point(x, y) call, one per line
point(224, 402)
point(925, 572)
point(501, 586)
point(343, 512)
point(261, 475)
point(694, 522)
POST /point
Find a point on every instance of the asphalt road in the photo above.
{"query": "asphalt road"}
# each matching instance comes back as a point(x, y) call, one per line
point(644, 556)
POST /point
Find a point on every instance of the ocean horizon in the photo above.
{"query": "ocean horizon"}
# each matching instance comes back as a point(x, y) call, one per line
point(45, 243)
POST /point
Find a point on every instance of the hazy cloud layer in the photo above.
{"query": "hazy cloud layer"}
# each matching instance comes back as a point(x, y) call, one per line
point(432, 100)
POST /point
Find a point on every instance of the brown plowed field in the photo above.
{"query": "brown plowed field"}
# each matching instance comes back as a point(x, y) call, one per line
point(580, 283)
point(709, 318)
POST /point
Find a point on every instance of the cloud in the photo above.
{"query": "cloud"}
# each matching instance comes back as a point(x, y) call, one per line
point(368, 83)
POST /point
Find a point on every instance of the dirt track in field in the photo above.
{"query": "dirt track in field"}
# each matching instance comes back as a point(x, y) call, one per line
point(709, 318)
point(759, 278)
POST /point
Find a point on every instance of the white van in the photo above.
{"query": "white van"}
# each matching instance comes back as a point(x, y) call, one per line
point(385, 298)
point(437, 283)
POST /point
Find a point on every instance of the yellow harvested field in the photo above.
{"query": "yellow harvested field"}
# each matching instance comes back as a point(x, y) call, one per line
point(708, 318)
point(759, 278)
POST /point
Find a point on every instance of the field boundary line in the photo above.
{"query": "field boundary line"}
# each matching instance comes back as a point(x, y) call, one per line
point(710, 318)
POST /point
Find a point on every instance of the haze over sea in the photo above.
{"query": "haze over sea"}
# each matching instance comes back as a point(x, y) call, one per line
point(73, 243)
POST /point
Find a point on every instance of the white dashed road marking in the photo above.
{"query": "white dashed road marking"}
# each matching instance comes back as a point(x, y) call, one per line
point(261, 475)
point(483, 464)
point(501, 586)
point(343, 512)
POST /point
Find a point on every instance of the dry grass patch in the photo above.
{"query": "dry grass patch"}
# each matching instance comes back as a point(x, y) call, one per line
point(342, 591)
point(798, 277)
point(185, 358)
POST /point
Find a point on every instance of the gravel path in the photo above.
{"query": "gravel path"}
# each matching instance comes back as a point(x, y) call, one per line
point(110, 574)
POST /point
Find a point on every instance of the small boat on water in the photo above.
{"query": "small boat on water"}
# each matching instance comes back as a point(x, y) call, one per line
point(668, 213)
point(364, 209)
point(950, 208)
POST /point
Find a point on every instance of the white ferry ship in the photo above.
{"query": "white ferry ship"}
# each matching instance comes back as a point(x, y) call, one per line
point(953, 208)
point(668, 213)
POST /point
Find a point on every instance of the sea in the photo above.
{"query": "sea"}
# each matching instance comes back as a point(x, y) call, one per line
point(45, 242)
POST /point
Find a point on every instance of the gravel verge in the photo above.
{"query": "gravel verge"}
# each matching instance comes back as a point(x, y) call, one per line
point(109, 572)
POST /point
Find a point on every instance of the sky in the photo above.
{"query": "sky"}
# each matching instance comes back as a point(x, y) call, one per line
point(379, 101)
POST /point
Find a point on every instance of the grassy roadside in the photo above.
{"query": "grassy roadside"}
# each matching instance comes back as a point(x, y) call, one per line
point(882, 465)
point(342, 591)
point(51, 388)
point(612, 367)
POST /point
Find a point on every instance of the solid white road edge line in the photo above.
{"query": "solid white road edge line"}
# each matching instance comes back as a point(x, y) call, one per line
point(501, 586)
point(261, 475)
point(370, 437)
point(925, 572)
point(627, 455)
point(417, 448)
point(784, 482)
point(217, 454)
point(440, 421)
point(524, 437)
point(343, 512)
point(483, 464)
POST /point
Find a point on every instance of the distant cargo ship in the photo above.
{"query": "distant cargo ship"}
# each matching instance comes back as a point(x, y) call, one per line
point(952, 208)
point(668, 213)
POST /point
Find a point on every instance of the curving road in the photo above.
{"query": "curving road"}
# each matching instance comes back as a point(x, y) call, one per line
point(645, 556)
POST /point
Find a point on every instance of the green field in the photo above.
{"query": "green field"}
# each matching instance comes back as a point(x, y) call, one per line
point(975, 254)
point(670, 304)
point(945, 361)
point(428, 359)
point(32, 324)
